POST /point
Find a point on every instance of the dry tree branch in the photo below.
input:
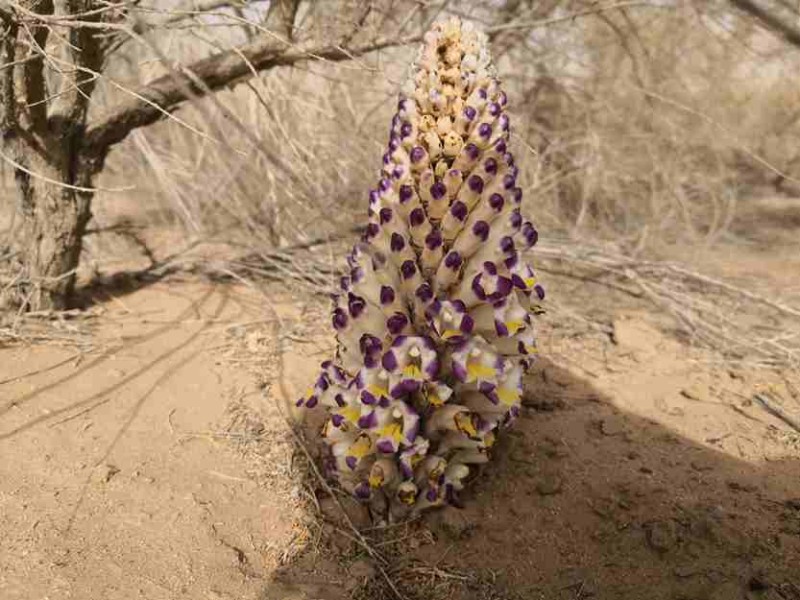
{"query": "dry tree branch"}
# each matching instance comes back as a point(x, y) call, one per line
point(177, 15)
point(220, 70)
point(196, 9)
point(34, 79)
point(771, 19)
point(8, 42)
point(78, 84)
point(535, 24)
point(281, 15)
point(167, 93)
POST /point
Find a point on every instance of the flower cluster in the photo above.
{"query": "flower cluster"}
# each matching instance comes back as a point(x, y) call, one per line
point(433, 321)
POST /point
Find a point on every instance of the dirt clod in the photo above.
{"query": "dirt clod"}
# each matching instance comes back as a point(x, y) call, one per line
point(549, 484)
point(361, 569)
point(757, 583)
point(452, 523)
point(612, 426)
point(358, 513)
point(661, 535)
point(289, 591)
point(701, 466)
point(738, 486)
point(107, 473)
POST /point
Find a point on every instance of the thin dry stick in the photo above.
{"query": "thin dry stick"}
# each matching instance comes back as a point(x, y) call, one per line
point(735, 290)
point(700, 310)
point(773, 408)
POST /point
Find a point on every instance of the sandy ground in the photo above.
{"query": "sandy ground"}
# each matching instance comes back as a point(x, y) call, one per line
point(146, 466)
point(143, 454)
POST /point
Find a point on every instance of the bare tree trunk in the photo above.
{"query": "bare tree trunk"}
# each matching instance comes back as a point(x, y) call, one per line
point(54, 219)
point(44, 139)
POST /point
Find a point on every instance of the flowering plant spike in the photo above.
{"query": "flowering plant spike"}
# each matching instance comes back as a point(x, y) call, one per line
point(433, 323)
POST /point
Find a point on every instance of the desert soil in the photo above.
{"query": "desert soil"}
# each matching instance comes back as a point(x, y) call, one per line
point(144, 454)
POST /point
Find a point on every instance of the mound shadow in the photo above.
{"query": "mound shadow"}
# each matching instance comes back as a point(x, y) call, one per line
point(584, 500)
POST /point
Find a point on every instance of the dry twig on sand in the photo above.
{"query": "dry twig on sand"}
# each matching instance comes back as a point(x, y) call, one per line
point(731, 319)
point(775, 409)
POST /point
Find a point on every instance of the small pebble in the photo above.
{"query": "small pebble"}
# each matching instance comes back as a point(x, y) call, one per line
point(452, 523)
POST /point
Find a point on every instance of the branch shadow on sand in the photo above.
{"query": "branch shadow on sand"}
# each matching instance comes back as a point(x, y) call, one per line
point(223, 267)
point(583, 500)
